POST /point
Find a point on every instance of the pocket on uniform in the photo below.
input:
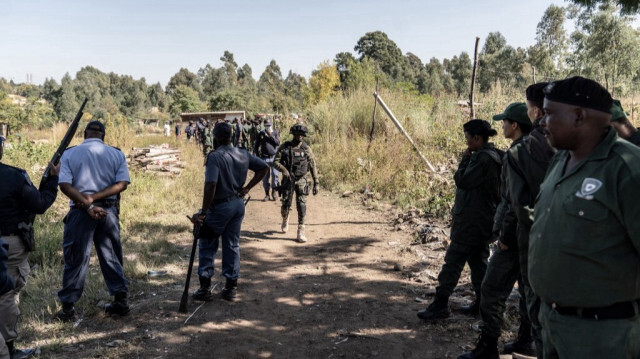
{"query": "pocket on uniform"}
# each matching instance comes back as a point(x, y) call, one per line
point(23, 274)
point(590, 210)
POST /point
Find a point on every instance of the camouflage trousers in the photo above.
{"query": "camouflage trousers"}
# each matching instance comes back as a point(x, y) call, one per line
point(301, 190)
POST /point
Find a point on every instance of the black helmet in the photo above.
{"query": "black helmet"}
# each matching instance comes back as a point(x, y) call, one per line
point(299, 129)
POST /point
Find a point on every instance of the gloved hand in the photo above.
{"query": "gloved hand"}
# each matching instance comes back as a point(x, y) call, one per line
point(315, 188)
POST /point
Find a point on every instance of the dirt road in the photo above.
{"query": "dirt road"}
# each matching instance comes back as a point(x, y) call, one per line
point(344, 294)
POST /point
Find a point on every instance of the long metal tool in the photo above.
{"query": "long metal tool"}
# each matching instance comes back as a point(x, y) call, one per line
point(402, 130)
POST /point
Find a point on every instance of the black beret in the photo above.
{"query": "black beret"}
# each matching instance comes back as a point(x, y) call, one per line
point(222, 130)
point(535, 94)
point(479, 127)
point(581, 92)
point(96, 126)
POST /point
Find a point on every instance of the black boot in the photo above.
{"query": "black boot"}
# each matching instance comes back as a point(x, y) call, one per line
point(204, 292)
point(473, 309)
point(266, 196)
point(119, 306)
point(487, 348)
point(67, 314)
point(523, 343)
point(229, 291)
point(17, 353)
point(274, 195)
point(439, 309)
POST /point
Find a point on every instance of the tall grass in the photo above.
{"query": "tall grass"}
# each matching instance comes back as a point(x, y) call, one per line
point(390, 167)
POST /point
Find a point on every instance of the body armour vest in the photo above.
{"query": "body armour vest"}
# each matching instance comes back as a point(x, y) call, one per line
point(299, 161)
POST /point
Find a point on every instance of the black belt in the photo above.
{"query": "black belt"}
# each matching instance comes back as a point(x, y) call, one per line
point(622, 310)
point(222, 200)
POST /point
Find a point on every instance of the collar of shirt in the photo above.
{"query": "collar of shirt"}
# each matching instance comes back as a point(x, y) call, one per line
point(92, 140)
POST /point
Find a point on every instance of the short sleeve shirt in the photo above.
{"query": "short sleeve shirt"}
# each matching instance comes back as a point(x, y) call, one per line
point(227, 166)
point(93, 166)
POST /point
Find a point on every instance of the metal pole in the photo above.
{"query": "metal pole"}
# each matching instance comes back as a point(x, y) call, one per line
point(401, 129)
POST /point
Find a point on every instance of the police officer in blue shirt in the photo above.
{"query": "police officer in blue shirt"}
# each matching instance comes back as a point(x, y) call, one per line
point(92, 175)
point(18, 198)
point(223, 210)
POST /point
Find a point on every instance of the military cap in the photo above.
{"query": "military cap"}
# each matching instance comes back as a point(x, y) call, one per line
point(96, 126)
point(267, 122)
point(581, 92)
point(479, 127)
point(222, 130)
point(515, 112)
point(535, 94)
point(617, 113)
point(299, 129)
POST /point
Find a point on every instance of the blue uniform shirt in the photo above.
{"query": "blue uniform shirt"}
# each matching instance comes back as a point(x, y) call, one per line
point(93, 166)
point(228, 166)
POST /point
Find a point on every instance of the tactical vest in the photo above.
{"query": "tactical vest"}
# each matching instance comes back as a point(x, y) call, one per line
point(299, 161)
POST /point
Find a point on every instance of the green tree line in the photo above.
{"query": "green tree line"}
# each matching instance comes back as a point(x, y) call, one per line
point(602, 45)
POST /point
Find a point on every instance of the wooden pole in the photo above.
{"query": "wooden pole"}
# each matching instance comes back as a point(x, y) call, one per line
point(533, 68)
point(401, 129)
point(473, 79)
point(373, 119)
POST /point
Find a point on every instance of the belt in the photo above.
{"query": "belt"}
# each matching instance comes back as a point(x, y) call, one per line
point(623, 310)
point(222, 200)
point(106, 203)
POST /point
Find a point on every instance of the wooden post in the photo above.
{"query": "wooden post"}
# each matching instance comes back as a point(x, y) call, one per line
point(473, 79)
point(533, 68)
point(401, 129)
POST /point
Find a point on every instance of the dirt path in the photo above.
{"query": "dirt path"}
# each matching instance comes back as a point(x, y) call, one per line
point(347, 293)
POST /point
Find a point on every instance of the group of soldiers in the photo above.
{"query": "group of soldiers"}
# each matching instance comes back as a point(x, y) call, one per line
point(92, 175)
point(562, 204)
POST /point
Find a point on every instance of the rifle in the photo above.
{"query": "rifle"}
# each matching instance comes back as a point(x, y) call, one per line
point(197, 225)
point(26, 228)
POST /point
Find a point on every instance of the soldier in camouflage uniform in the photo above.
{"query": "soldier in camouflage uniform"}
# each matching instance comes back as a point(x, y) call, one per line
point(295, 159)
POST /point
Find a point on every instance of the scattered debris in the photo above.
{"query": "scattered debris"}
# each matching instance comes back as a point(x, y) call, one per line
point(153, 273)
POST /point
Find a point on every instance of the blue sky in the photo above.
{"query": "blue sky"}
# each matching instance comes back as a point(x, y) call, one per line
point(154, 39)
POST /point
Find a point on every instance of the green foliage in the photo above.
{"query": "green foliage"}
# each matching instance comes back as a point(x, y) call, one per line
point(324, 82)
point(627, 7)
point(185, 99)
point(226, 100)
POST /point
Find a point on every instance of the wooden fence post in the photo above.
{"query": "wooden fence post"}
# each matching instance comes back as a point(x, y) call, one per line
point(473, 79)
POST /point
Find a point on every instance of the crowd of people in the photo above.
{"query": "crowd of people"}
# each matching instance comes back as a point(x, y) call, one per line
point(561, 203)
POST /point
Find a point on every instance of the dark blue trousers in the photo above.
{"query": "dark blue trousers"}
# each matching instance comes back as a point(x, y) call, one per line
point(224, 221)
point(79, 231)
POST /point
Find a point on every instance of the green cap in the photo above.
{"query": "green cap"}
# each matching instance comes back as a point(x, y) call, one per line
point(617, 113)
point(516, 112)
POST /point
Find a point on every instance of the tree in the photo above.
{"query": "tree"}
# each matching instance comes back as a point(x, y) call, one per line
point(185, 99)
point(271, 86)
point(627, 7)
point(245, 76)
point(461, 71)
point(384, 52)
point(295, 88)
point(549, 54)
point(157, 97)
point(605, 47)
point(500, 62)
point(184, 77)
point(226, 100)
point(324, 82)
point(66, 104)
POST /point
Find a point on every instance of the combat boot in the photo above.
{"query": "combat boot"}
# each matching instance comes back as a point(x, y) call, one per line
point(486, 348)
point(266, 196)
point(301, 237)
point(523, 343)
point(439, 309)
point(473, 309)
point(204, 292)
point(119, 306)
point(274, 195)
point(229, 291)
point(17, 353)
point(67, 314)
point(285, 223)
